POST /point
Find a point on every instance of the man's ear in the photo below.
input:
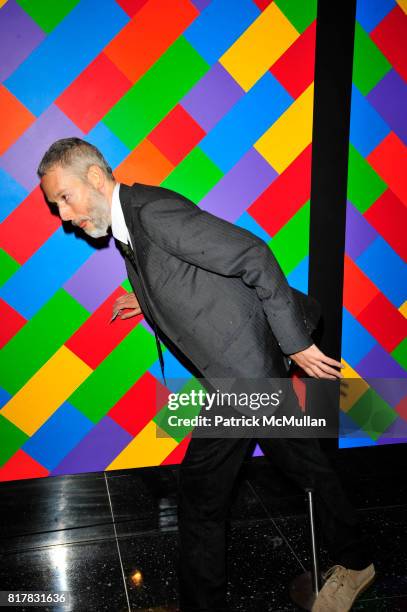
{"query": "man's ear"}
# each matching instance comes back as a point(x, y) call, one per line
point(95, 176)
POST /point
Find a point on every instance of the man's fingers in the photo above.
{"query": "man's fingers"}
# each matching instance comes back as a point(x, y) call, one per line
point(325, 368)
point(315, 363)
point(126, 297)
point(131, 313)
point(333, 362)
point(319, 369)
point(334, 370)
point(124, 304)
point(324, 362)
point(322, 374)
point(127, 315)
point(330, 371)
point(121, 299)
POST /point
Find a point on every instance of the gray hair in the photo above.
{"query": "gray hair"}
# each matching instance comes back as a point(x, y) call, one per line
point(75, 154)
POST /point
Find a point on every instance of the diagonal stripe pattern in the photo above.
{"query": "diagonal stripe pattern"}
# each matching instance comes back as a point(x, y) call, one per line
point(374, 332)
point(197, 97)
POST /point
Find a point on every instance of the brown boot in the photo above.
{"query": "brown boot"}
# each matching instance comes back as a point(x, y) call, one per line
point(341, 587)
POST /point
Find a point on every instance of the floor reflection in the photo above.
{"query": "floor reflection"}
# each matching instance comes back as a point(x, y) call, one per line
point(111, 540)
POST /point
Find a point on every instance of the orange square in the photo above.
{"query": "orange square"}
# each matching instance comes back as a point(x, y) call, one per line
point(145, 164)
point(145, 38)
point(17, 119)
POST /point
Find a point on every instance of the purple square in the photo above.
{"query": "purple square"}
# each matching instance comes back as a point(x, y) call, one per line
point(19, 36)
point(212, 97)
point(22, 158)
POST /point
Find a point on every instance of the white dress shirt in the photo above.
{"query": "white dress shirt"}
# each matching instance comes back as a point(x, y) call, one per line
point(119, 227)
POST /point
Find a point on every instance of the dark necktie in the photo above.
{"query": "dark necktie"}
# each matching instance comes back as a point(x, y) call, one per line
point(129, 253)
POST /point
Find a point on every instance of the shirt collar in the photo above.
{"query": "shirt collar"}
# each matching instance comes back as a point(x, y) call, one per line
point(119, 227)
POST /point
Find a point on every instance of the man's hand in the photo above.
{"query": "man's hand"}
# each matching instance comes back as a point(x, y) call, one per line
point(315, 363)
point(128, 300)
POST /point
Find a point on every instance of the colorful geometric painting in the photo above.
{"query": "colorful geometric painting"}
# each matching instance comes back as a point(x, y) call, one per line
point(211, 99)
point(374, 342)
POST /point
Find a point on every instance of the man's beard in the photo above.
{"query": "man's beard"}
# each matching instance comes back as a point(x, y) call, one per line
point(99, 215)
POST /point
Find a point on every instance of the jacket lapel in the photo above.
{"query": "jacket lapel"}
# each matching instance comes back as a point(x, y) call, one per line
point(131, 201)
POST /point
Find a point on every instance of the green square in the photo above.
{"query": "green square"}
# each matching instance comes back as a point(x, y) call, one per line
point(372, 413)
point(127, 286)
point(194, 177)
point(157, 92)
point(114, 376)
point(188, 411)
point(400, 354)
point(47, 13)
point(369, 63)
point(8, 266)
point(39, 339)
point(301, 13)
point(364, 184)
point(295, 233)
point(11, 439)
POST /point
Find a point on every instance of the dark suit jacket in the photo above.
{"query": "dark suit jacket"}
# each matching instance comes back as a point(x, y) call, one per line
point(216, 292)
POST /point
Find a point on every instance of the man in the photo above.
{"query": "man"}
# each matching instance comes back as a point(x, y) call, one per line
point(217, 297)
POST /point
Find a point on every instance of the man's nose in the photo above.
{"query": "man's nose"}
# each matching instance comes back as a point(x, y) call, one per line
point(65, 215)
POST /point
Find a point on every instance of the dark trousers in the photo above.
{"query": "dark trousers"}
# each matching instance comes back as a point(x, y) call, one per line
point(206, 478)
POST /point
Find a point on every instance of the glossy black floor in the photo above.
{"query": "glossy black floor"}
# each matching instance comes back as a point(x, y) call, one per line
point(90, 534)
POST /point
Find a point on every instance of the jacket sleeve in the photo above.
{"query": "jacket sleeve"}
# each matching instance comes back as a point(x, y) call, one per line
point(181, 228)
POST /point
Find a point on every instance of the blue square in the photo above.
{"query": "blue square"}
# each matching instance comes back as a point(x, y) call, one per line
point(370, 13)
point(219, 25)
point(57, 60)
point(12, 194)
point(246, 221)
point(114, 151)
point(386, 270)
point(367, 128)
point(298, 277)
point(174, 371)
point(58, 436)
point(356, 340)
point(246, 122)
point(4, 397)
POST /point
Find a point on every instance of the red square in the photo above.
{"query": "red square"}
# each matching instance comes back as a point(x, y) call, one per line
point(139, 405)
point(11, 321)
point(389, 217)
point(176, 135)
point(176, 456)
point(384, 322)
point(285, 195)
point(87, 100)
point(16, 235)
point(295, 68)
point(401, 408)
point(390, 36)
point(262, 4)
point(21, 466)
point(131, 6)
point(358, 289)
point(97, 337)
